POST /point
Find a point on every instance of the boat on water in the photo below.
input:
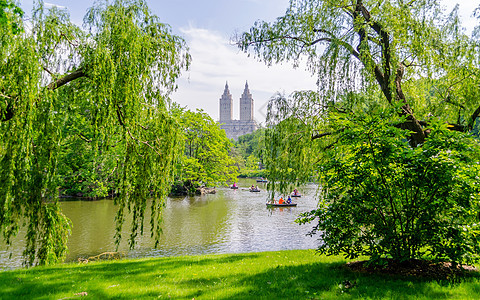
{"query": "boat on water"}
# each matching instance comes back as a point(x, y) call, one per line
point(254, 190)
point(295, 193)
point(234, 187)
point(281, 205)
point(262, 180)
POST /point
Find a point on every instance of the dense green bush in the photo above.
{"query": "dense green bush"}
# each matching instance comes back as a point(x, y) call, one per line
point(383, 198)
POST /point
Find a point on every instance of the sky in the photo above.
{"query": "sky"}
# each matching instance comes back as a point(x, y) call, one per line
point(208, 26)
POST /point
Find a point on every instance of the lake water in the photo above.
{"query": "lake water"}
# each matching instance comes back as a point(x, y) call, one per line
point(230, 221)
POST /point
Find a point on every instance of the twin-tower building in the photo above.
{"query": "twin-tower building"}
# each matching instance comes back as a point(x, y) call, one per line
point(246, 124)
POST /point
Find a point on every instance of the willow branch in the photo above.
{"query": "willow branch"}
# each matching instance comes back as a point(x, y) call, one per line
point(320, 135)
point(48, 71)
point(66, 79)
point(363, 48)
point(474, 116)
point(76, 44)
point(143, 142)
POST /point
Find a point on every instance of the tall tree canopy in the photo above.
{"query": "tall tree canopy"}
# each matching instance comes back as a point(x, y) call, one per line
point(109, 85)
point(206, 159)
point(387, 133)
point(379, 45)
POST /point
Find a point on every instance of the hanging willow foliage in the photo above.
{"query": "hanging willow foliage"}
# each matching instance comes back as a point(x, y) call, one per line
point(402, 54)
point(110, 83)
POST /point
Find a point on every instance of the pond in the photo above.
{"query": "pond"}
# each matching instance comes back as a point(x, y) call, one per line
point(230, 221)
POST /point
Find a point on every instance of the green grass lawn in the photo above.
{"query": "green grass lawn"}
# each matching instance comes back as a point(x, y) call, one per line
point(298, 274)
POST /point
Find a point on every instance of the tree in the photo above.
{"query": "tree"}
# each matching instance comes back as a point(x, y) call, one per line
point(206, 157)
point(116, 78)
point(381, 45)
point(396, 79)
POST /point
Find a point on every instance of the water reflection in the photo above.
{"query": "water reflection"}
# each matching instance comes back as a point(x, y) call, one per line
point(230, 221)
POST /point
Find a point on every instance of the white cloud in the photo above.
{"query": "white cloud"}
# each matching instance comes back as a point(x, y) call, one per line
point(465, 10)
point(50, 5)
point(215, 60)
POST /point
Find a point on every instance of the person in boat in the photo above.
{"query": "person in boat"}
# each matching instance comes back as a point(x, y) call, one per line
point(256, 188)
point(252, 187)
point(281, 201)
point(234, 184)
point(295, 192)
point(289, 200)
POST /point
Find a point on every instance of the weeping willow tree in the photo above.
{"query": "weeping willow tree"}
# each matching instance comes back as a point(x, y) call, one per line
point(111, 83)
point(387, 133)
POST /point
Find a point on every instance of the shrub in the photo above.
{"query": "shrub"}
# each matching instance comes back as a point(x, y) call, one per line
point(383, 198)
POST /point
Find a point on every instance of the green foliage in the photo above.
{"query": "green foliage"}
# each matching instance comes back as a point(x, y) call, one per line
point(379, 47)
point(86, 168)
point(252, 162)
point(385, 199)
point(107, 87)
point(206, 158)
point(9, 12)
point(252, 143)
point(249, 153)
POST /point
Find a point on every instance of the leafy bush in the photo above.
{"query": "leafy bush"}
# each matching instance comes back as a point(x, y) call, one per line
point(383, 198)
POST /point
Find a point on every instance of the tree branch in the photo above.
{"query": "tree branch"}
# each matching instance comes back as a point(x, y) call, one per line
point(332, 39)
point(364, 50)
point(9, 112)
point(320, 135)
point(66, 79)
point(474, 116)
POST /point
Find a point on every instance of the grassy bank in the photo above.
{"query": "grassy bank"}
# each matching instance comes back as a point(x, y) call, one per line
point(267, 275)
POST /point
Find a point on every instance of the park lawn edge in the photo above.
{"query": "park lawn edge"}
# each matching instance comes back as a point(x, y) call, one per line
point(289, 274)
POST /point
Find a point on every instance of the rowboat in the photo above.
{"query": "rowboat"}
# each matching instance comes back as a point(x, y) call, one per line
point(297, 195)
point(254, 190)
point(234, 187)
point(262, 180)
point(281, 205)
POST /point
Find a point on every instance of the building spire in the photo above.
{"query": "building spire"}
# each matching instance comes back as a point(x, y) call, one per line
point(246, 105)
point(226, 102)
point(226, 91)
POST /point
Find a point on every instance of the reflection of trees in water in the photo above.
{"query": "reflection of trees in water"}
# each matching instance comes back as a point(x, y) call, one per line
point(194, 220)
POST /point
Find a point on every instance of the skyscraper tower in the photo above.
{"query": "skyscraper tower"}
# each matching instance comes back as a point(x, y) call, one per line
point(246, 124)
point(246, 105)
point(226, 105)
